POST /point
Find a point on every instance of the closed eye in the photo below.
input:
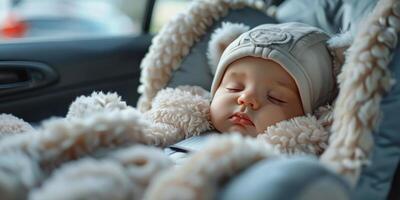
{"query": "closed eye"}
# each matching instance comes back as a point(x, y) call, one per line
point(233, 89)
point(275, 100)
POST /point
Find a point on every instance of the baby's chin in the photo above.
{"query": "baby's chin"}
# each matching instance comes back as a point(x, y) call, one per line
point(245, 131)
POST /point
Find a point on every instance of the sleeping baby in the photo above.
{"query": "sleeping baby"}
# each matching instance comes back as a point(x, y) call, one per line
point(270, 74)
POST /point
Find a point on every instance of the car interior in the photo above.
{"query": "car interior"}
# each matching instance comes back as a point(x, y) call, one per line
point(39, 79)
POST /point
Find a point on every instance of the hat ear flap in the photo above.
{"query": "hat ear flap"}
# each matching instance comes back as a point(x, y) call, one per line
point(338, 46)
point(220, 39)
point(339, 43)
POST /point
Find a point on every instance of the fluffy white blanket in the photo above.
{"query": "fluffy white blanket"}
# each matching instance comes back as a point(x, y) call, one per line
point(57, 152)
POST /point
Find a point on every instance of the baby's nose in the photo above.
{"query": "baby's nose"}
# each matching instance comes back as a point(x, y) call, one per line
point(249, 99)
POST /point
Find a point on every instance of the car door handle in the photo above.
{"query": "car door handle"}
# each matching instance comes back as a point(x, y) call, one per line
point(20, 75)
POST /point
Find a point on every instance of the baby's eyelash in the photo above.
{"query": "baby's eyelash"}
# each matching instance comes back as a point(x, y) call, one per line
point(275, 100)
point(234, 89)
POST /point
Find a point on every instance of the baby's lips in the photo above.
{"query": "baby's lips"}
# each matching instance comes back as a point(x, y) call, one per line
point(242, 118)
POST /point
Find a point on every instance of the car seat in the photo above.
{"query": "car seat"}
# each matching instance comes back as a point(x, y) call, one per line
point(350, 168)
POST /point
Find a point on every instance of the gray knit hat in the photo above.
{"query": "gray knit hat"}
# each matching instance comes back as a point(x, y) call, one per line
point(299, 48)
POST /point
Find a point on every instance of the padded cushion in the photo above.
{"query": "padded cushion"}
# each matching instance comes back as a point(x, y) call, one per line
point(376, 179)
point(282, 178)
point(194, 68)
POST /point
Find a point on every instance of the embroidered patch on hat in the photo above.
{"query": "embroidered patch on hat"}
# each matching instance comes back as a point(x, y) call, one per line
point(265, 37)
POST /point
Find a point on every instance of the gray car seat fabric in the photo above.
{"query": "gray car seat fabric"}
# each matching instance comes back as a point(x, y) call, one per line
point(195, 64)
point(394, 191)
point(333, 16)
point(327, 15)
point(301, 178)
point(375, 180)
point(356, 10)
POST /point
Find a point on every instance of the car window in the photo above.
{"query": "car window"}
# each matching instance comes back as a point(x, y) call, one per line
point(164, 10)
point(26, 19)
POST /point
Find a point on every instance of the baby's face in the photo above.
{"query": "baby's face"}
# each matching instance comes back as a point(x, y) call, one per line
point(254, 93)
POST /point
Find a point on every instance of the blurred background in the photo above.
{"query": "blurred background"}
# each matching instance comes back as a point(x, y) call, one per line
point(49, 19)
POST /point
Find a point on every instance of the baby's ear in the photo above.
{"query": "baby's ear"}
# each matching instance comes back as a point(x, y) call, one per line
point(220, 39)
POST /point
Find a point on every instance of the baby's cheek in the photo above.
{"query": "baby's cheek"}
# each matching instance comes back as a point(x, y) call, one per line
point(216, 116)
point(269, 118)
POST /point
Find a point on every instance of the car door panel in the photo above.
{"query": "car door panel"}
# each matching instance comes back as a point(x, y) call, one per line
point(81, 66)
